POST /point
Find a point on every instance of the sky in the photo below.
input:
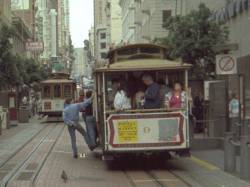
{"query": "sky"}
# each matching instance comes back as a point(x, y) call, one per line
point(81, 19)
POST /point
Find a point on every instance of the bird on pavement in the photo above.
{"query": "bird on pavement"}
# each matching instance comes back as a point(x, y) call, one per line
point(64, 176)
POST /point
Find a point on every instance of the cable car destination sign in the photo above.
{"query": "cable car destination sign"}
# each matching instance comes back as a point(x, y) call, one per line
point(226, 64)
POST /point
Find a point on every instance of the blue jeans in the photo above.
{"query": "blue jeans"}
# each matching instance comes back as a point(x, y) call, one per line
point(91, 129)
point(72, 134)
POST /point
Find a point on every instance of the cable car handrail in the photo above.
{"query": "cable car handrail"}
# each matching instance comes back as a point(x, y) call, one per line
point(146, 110)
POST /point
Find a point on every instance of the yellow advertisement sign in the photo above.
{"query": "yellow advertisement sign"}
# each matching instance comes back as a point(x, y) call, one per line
point(127, 131)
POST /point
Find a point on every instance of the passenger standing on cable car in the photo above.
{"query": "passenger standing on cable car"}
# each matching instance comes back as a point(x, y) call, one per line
point(176, 98)
point(121, 100)
point(71, 119)
point(152, 93)
point(90, 121)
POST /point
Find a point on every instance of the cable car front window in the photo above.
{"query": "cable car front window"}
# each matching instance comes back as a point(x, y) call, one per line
point(57, 91)
point(46, 91)
point(67, 91)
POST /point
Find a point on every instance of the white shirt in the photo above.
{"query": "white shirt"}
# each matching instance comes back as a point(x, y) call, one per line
point(121, 101)
point(234, 108)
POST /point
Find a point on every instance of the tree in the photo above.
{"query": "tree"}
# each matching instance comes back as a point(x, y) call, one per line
point(15, 70)
point(192, 37)
point(9, 74)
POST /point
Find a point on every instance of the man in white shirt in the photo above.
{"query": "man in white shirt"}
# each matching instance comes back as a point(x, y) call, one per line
point(234, 112)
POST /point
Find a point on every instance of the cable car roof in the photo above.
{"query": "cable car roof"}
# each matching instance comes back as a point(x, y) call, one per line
point(129, 46)
point(143, 65)
point(54, 81)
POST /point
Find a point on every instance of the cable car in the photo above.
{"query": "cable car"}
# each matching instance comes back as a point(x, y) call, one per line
point(141, 130)
point(54, 92)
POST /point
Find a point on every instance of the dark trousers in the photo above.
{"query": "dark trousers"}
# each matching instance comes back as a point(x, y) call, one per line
point(72, 132)
point(91, 129)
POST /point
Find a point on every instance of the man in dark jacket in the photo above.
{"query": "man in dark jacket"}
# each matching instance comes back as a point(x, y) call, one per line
point(90, 121)
point(152, 94)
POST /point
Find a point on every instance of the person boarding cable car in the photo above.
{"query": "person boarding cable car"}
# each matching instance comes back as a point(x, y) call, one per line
point(71, 119)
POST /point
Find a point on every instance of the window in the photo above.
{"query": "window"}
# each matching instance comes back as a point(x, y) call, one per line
point(57, 91)
point(46, 92)
point(103, 55)
point(128, 51)
point(103, 45)
point(165, 15)
point(67, 90)
point(150, 50)
point(103, 35)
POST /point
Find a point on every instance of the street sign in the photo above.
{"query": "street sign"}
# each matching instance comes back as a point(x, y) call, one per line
point(34, 46)
point(226, 64)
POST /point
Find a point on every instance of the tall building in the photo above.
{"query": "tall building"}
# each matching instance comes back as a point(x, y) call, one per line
point(63, 24)
point(26, 10)
point(92, 41)
point(66, 22)
point(128, 20)
point(100, 30)
point(63, 30)
point(80, 63)
point(114, 23)
point(43, 29)
point(21, 33)
point(142, 20)
point(52, 28)
point(107, 27)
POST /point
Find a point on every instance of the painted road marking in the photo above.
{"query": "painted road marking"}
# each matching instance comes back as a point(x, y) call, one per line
point(65, 152)
point(154, 180)
point(203, 163)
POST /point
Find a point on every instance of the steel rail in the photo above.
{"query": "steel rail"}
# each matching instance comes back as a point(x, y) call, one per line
point(34, 178)
point(25, 144)
point(12, 174)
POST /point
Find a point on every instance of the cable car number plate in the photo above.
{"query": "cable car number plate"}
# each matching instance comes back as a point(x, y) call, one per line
point(127, 131)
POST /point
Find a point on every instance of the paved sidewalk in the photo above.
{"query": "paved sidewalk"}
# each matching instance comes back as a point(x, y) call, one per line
point(216, 158)
point(14, 138)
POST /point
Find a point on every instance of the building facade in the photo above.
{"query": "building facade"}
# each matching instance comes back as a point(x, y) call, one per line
point(26, 10)
point(107, 27)
point(128, 20)
point(43, 29)
point(143, 20)
point(114, 25)
point(21, 35)
point(63, 26)
point(52, 28)
point(92, 41)
point(100, 30)
point(21, 32)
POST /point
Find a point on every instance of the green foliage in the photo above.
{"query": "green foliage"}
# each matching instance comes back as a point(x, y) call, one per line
point(192, 37)
point(15, 70)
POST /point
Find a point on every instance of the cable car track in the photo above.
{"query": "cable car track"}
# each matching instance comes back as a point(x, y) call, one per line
point(37, 151)
point(25, 144)
point(142, 178)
